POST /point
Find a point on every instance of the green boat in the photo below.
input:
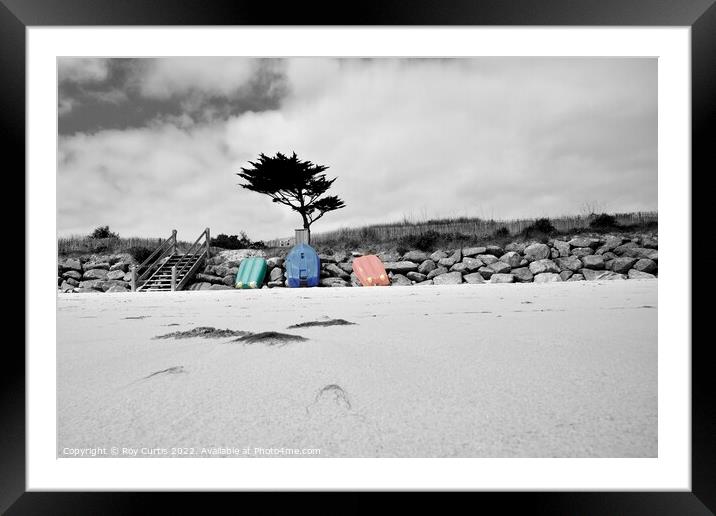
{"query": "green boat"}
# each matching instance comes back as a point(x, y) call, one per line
point(252, 272)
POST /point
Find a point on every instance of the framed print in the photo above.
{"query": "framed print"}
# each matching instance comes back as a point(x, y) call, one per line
point(422, 243)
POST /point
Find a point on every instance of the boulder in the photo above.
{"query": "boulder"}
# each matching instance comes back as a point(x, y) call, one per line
point(400, 267)
point(117, 274)
point(645, 265)
point(275, 261)
point(576, 277)
point(582, 251)
point(93, 284)
point(499, 268)
point(562, 247)
point(543, 266)
point(537, 252)
point(95, 274)
point(547, 277)
point(335, 270)
point(339, 256)
point(472, 264)
point(511, 258)
point(593, 275)
point(229, 280)
point(334, 282)
point(642, 252)
point(426, 267)
point(621, 265)
point(67, 287)
point(621, 249)
point(328, 258)
point(449, 278)
point(452, 259)
point(220, 287)
point(438, 255)
point(71, 281)
point(473, 251)
point(649, 242)
point(502, 278)
point(636, 274)
point(494, 250)
point(275, 284)
point(486, 272)
point(354, 280)
point(399, 280)
point(518, 247)
point(612, 242)
point(389, 256)
point(415, 256)
point(565, 275)
point(276, 274)
point(426, 282)
point(416, 277)
point(118, 288)
point(522, 274)
point(209, 278)
point(459, 267)
point(95, 265)
point(346, 267)
point(609, 256)
point(436, 272)
point(127, 277)
point(474, 277)
point(487, 259)
point(73, 274)
point(585, 242)
point(569, 263)
point(594, 261)
point(71, 264)
point(554, 253)
point(119, 266)
point(84, 290)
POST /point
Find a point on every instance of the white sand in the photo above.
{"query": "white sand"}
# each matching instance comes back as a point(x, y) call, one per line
point(526, 370)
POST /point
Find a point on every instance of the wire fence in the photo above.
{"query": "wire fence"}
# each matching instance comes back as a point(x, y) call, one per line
point(112, 245)
point(473, 227)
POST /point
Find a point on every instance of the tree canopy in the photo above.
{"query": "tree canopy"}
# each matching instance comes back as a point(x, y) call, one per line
point(300, 185)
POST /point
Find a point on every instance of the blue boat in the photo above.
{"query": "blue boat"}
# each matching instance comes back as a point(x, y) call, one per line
point(303, 267)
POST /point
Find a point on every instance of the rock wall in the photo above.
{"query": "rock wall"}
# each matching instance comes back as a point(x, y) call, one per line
point(590, 257)
point(608, 257)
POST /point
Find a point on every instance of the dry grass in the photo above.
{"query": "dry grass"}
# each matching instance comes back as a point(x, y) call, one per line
point(80, 245)
point(465, 231)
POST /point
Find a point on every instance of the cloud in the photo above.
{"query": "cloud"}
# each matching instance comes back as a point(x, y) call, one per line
point(507, 137)
point(82, 69)
point(209, 76)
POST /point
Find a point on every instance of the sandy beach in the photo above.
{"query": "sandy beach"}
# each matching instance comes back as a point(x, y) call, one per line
point(519, 370)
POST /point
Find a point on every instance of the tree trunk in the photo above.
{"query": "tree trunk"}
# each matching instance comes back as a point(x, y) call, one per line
point(307, 227)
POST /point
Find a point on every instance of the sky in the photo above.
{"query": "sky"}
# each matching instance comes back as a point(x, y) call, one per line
point(153, 144)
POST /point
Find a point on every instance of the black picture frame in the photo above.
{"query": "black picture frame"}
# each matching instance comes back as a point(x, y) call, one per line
point(699, 15)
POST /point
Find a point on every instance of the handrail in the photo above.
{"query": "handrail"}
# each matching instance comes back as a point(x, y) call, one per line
point(192, 252)
point(163, 247)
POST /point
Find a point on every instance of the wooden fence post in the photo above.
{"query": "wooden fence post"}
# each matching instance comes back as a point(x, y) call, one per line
point(133, 268)
point(174, 238)
point(208, 244)
point(174, 278)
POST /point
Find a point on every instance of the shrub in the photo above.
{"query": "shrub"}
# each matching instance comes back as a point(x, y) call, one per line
point(544, 225)
point(240, 241)
point(603, 221)
point(103, 232)
point(139, 253)
point(424, 241)
point(501, 232)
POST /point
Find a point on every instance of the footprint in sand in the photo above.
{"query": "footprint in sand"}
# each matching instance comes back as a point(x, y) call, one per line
point(169, 370)
point(330, 399)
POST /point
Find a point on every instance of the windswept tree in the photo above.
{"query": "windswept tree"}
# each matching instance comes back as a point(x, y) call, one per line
point(300, 185)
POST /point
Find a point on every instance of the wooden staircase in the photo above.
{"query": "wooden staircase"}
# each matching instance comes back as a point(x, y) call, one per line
point(168, 270)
